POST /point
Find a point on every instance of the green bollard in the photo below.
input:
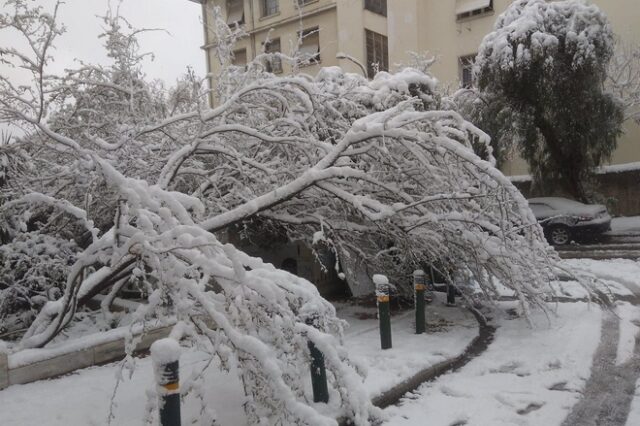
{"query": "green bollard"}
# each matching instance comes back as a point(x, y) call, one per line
point(451, 295)
point(170, 410)
point(318, 371)
point(384, 313)
point(165, 355)
point(420, 287)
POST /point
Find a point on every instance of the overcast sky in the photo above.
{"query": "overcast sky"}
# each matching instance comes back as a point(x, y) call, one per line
point(173, 51)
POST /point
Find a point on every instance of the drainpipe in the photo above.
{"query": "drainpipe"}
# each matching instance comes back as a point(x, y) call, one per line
point(252, 35)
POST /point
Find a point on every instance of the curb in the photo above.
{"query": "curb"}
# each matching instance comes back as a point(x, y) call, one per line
point(478, 345)
point(72, 359)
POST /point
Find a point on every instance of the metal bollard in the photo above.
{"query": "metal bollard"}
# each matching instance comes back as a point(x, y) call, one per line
point(4, 369)
point(420, 287)
point(451, 295)
point(165, 354)
point(384, 313)
point(318, 371)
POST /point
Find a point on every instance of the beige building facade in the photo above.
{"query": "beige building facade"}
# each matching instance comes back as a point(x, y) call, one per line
point(385, 32)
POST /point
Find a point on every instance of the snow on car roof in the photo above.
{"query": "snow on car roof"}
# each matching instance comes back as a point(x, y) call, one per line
point(566, 205)
point(557, 202)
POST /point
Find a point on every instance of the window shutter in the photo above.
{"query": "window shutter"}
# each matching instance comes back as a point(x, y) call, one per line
point(235, 12)
point(466, 6)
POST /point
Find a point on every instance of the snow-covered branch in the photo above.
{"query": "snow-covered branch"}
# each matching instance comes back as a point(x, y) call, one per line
point(380, 172)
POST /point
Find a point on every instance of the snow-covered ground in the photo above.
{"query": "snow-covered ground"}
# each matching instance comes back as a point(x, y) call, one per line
point(535, 377)
point(90, 390)
point(450, 331)
point(84, 397)
point(629, 328)
point(634, 414)
point(527, 376)
point(625, 225)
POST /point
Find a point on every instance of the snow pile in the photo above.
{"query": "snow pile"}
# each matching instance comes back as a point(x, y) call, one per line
point(165, 351)
point(380, 280)
point(92, 388)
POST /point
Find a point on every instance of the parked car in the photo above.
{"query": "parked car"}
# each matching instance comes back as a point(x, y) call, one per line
point(564, 220)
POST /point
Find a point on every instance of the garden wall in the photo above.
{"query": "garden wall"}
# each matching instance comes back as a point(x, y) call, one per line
point(37, 364)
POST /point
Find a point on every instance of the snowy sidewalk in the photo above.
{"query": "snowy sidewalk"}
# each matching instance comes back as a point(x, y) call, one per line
point(561, 372)
point(84, 397)
point(449, 332)
point(625, 226)
point(526, 377)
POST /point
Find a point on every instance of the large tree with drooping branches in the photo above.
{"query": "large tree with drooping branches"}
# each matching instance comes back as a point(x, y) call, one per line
point(144, 180)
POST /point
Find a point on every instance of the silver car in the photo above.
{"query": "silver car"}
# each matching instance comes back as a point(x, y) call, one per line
point(564, 220)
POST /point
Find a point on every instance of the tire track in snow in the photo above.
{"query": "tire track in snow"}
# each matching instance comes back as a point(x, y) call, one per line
point(610, 390)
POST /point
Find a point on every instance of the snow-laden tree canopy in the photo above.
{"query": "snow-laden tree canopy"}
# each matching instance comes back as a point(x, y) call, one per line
point(142, 179)
point(541, 76)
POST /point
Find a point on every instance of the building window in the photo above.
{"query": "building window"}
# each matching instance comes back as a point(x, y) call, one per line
point(470, 8)
point(235, 12)
point(273, 63)
point(305, 2)
point(239, 58)
point(465, 64)
point(376, 6)
point(309, 50)
point(377, 53)
point(269, 7)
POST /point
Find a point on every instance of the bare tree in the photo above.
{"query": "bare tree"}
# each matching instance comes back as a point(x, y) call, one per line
point(623, 78)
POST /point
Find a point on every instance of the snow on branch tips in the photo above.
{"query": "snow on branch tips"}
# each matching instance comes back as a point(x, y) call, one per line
point(146, 178)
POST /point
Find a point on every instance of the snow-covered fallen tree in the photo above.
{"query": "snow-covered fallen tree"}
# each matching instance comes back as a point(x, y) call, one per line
point(383, 171)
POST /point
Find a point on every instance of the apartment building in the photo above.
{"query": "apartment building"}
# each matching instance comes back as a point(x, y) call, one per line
point(383, 33)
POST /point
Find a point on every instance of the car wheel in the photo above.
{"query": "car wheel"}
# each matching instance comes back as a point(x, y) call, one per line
point(559, 235)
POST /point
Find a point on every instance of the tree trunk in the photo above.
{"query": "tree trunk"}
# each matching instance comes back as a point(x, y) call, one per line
point(572, 181)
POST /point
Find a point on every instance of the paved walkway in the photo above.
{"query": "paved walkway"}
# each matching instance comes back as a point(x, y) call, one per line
point(475, 349)
point(608, 393)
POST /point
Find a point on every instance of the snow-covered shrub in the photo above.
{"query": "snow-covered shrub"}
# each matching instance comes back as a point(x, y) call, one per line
point(33, 271)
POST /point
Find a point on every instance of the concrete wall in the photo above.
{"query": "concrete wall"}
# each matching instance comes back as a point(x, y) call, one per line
point(13, 372)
